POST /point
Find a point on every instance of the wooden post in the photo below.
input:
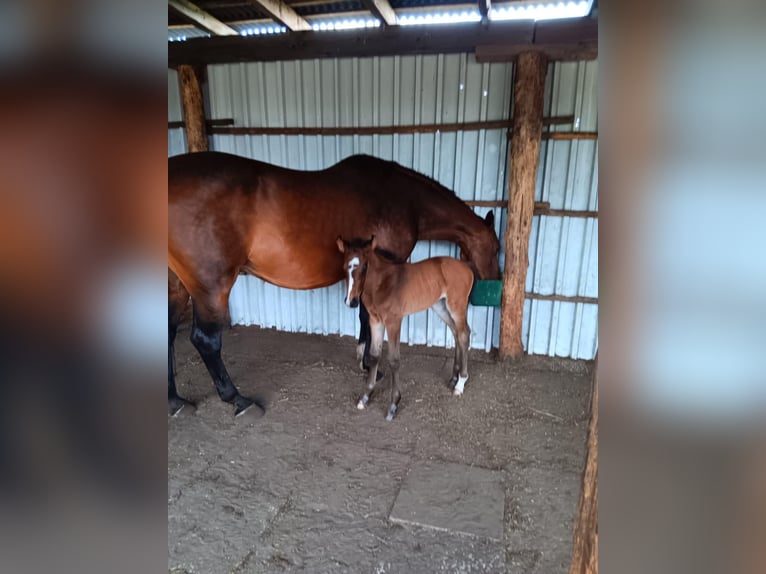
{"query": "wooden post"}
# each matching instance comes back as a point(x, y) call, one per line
point(193, 108)
point(585, 543)
point(528, 90)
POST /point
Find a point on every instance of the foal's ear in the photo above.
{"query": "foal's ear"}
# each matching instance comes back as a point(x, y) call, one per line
point(490, 219)
point(340, 244)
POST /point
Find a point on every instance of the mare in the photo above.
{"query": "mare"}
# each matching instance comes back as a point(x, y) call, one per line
point(393, 289)
point(228, 214)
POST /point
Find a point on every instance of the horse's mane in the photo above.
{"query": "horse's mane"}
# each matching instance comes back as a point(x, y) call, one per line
point(389, 256)
point(398, 168)
point(423, 179)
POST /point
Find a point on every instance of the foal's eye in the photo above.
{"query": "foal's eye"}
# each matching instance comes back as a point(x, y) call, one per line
point(364, 268)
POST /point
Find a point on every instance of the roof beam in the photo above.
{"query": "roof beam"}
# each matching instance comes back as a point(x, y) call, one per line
point(382, 10)
point(499, 41)
point(484, 7)
point(202, 19)
point(283, 14)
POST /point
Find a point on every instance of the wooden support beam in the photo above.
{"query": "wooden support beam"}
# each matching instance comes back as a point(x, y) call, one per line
point(210, 124)
point(564, 40)
point(382, 10)
point(283, 14)
point(388, 41)
point(585, 538)
point(385, 130)
point(201, 18)
point(193, 106)
point(528, 90)
point(563, 298)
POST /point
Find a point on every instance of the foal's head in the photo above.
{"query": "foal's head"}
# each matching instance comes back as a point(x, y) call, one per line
point(356, 255)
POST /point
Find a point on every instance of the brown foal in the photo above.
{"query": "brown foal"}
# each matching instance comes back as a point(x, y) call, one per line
point(392, 290)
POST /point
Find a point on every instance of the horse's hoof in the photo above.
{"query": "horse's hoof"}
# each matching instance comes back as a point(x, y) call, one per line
point(248, 409)
point(360, 406)
point(179, 407)
point(391, 413)
point(457, 393)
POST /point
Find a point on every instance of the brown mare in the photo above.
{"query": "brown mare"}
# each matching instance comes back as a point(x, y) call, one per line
point(392, 290)
point(228, 214)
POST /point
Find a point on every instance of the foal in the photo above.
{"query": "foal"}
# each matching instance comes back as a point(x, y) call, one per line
point(391, 290)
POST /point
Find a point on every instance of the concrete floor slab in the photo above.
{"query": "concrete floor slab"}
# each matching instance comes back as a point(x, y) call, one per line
point(453, 497)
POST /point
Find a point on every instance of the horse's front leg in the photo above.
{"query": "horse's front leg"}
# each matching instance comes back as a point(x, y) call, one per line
point(363, 346)
point(376, 345)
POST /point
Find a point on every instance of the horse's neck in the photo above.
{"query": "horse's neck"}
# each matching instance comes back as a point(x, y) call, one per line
point(446, 219)
point(382, 271)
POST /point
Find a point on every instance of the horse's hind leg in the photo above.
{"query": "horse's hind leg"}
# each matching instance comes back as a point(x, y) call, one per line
point(178, 298)
point(206, 337)
point(394, 328)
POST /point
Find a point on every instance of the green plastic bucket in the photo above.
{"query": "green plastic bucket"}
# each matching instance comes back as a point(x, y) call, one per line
point(486, 292)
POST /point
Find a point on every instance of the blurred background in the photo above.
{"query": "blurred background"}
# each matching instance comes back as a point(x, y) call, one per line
point(82, 286)
point(683, 399)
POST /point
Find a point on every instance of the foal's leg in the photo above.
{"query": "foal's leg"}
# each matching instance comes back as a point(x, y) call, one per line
point(376, 344)
point(394, 326)
point(206, 337)
point(440, 308)
point(463, 340)
point(178, 298)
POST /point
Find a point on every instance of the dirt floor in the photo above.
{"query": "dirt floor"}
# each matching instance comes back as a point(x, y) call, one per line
point(486, 482)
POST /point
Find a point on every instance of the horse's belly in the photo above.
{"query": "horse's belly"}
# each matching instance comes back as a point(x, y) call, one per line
point(295, 268)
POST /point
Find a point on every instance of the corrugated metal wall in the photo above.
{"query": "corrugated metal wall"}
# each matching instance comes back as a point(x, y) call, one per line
point(415, 90)
point(176, 136)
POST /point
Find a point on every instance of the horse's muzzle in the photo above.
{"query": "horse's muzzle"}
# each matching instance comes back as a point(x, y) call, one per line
point(354, 303)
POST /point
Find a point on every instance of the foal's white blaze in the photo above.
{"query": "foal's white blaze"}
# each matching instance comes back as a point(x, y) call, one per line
point(460, 385)
point(352, 265)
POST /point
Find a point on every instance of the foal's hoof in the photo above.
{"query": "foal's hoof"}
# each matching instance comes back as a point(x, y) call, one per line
point(363, 402)
point(391, 413)
point(457, 392)
point(178, 407)
point(247, 409)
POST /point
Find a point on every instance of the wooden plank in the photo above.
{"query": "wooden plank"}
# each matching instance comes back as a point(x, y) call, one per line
point(585, 537)
point(560, 40)
point(210, 124)
point(201, 18)
point(541, 208)
point(385, 130)
point(382, 10)
point(528, 92)
point(283, 14)
point(564, 298)
point(570, 136)
point(193, 108)
point(392, 40)
point(490, 53)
